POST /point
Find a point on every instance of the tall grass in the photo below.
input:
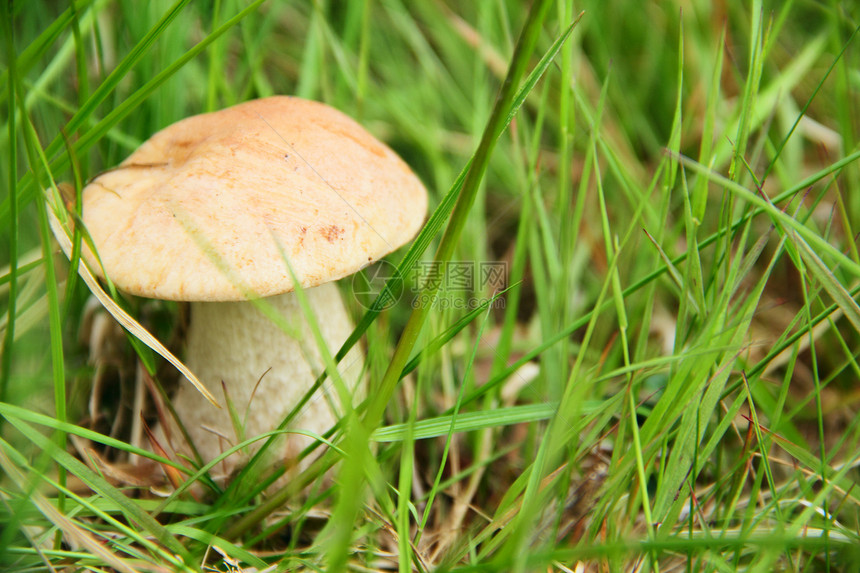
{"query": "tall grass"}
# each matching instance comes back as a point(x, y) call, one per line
point(665, 379)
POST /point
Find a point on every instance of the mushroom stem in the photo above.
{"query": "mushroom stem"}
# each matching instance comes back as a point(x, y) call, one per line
point(236, 343)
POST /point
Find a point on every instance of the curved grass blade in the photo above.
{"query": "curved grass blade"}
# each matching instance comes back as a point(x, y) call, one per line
point(121, 316)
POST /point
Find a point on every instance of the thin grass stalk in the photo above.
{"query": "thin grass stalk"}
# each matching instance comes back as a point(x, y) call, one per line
point(813, 355)
point(846, 106)
point(363, 59)
point(37, 162)
point(216, 63)
point(12, 81)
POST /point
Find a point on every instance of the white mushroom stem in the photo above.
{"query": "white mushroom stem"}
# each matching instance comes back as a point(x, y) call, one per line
point(236, 343)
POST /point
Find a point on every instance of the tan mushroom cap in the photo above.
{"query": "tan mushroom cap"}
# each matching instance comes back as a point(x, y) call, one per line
point(209, 208)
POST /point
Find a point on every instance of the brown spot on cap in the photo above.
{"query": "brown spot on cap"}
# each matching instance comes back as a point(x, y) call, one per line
point(331, 233)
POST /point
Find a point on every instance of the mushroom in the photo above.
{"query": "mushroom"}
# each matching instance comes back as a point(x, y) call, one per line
point(218, 209)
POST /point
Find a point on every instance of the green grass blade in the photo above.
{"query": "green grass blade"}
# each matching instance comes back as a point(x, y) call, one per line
point(467, 422)
point(12, 82)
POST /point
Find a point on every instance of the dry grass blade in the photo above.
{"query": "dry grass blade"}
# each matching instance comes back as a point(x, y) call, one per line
point(121, 316)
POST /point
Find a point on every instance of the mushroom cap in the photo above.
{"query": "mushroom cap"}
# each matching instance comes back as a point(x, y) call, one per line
point(211, 208)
